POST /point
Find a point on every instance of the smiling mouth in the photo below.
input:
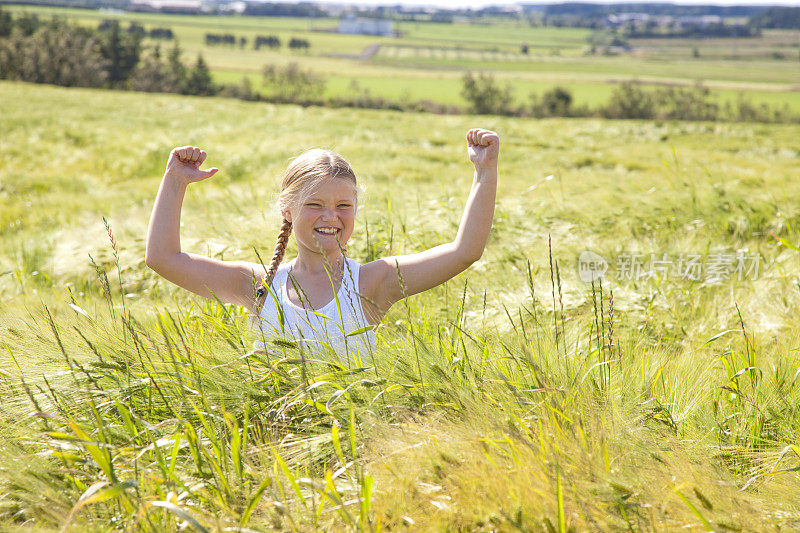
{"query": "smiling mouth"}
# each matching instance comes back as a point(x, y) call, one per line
point(327, 231)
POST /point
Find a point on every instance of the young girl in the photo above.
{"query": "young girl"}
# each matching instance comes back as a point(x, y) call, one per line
point(321, 296)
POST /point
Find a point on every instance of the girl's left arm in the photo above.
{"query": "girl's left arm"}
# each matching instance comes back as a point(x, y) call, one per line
point(385, 281)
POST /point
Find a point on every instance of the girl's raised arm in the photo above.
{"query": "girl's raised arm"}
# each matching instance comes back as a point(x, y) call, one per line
point(230, 281)
point(425, 270)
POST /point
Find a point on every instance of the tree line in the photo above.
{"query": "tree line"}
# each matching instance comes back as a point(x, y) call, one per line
point(135, 27)
point(109, 56)
point(778, 18)
point(270, 41)
point(629, 100)
point(266, 40)
point(212, 39)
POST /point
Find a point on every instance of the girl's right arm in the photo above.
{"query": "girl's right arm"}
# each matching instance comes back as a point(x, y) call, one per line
point(230, 281)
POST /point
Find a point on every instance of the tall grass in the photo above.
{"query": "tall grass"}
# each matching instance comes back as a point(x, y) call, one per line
point(167, 419)
point(512, 398)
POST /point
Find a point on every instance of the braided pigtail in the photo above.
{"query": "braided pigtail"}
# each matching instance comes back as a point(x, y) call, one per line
point(277, 257)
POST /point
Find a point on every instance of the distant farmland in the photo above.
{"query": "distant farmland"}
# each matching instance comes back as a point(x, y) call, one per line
point(427, 60)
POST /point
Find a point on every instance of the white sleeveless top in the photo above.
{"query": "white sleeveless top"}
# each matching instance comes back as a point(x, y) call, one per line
point(325, 330)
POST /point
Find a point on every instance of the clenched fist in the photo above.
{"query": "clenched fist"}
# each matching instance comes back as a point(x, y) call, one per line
point(184, 164)
point(483, 148)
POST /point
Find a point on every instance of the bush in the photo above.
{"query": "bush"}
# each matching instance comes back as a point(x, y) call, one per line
point(485, 96)
point(242, 91)
point(746, 111)
point(152, 74)
point(557, 102)
point(292, 83)
point(629, 100)
point(685, 103)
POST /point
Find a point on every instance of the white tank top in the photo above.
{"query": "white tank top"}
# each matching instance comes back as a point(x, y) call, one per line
point(338, 327)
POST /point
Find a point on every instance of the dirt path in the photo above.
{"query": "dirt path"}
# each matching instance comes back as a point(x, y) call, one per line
point(369, 51)
point(365, 55)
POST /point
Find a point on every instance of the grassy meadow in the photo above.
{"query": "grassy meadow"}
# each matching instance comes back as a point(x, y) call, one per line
point(515, 397)
point(427, 60)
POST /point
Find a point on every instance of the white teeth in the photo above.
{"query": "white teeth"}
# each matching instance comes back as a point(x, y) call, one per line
point(327, 231)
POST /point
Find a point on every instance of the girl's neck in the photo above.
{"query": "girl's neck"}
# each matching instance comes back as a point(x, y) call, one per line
point(317, 264)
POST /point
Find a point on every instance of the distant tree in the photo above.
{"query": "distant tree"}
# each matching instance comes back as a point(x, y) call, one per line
point(485, 95)
point(176, 67)
point(121, 50)
point(27, 23)
point(153, 74)
point(161, 33)
point(242, 42)
point(266, 40)
point(136, 28)
point(199, 80)
point(212, 39)
point(298, 44)
point(6, 23)
point(56, 53)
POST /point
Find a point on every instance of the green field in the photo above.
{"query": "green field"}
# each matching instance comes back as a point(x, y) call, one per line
point(427, 60)
point(492, 403)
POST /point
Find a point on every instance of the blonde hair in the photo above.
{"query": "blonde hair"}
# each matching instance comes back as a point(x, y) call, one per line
point(304, 173)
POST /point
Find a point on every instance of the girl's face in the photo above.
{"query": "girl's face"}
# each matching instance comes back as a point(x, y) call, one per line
point(324, 219)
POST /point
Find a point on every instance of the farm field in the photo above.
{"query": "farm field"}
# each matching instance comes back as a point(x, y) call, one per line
point(428, 59)
point(514, 397)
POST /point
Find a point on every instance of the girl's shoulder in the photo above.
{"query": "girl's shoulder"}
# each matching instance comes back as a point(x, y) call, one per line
point(260, 273)
point(353, 264)
point(374, 274)
point(280, 275)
